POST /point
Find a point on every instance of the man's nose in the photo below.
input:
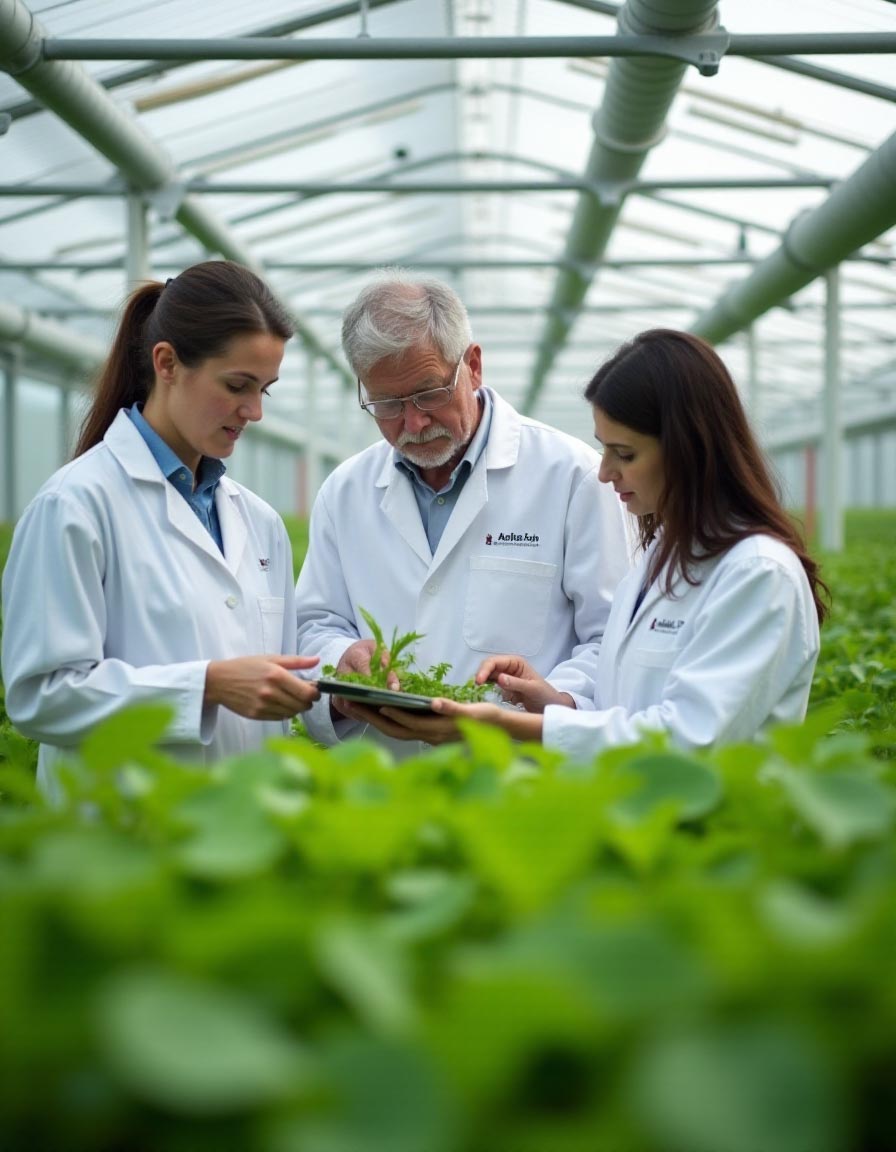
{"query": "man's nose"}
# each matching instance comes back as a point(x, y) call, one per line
point(415, 420)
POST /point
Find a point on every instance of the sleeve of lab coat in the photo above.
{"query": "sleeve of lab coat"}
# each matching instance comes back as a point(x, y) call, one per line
point(59, 684)
point(597, 554)
point(753, 640)
point(324, 617)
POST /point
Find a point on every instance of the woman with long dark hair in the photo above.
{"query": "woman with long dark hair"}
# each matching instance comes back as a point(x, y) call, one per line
point(715, 632)
point(140, 572)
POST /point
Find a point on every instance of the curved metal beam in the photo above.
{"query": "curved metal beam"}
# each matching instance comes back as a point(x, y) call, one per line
point(68, 90)
point(856, 212)
point(629, 122)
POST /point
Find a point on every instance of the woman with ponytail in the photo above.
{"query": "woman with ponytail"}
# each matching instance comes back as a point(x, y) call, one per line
point(140, 573)
point(713, 635)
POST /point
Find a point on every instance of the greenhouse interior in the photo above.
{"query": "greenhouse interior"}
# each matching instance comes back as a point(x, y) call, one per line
point(495, 943)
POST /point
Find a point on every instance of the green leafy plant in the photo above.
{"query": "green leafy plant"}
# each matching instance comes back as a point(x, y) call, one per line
point(396, 658)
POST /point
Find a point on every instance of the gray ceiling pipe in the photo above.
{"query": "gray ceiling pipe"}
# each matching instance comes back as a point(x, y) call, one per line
point(83, 355)
point(629, 122)
point(856, 212)
point(66, 88)
point(47, 339)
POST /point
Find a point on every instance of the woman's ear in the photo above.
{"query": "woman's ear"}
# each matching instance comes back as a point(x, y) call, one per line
point(164, 361)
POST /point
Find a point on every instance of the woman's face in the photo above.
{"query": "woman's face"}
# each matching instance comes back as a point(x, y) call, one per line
point(632, 462)
point(203, 411)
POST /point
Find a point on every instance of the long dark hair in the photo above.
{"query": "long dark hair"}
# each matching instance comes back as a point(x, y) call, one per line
point(198, 313)
point(718, 488)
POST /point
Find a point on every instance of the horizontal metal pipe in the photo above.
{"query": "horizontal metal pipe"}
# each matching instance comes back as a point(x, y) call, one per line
point(429, 187)
point(335, 265)
point(460, 47)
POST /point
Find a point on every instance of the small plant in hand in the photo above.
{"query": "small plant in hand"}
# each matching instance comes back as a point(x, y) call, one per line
point(398, 658)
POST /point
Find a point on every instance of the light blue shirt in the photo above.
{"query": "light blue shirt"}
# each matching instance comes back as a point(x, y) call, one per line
point(202, 498)
point(436, 507)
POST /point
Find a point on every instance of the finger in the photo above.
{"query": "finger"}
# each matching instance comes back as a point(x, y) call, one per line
point(508, 683)
point(489, 668)
point(295, 661)
point(447, 707)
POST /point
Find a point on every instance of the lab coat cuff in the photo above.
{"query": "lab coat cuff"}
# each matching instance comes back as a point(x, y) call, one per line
point(194, 720)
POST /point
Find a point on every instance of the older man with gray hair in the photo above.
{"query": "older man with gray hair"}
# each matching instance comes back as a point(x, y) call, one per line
point(482, 530)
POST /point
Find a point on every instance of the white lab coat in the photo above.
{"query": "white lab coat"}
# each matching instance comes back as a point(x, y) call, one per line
point(528, 563)
point(710, 664)
point(115, 593)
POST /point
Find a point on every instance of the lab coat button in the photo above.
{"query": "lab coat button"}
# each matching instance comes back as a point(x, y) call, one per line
point(432, 589)
point(231, 601)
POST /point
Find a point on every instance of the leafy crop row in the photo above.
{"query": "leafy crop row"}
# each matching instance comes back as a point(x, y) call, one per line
point(484, 948)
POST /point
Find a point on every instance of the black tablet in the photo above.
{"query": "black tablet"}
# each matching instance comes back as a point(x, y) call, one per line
point(376, 697)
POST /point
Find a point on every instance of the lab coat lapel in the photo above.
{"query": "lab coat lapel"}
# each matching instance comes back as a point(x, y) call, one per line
point(184, 520)
point(500, 451)
point(234, 533)
point(400, 508)
point(472, 499)
point(134, 456)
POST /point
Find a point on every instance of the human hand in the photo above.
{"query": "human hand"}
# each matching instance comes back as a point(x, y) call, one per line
point(521, 684)
point(261, 687)
point(356, 658)
point(404, 724)
point(519, 725)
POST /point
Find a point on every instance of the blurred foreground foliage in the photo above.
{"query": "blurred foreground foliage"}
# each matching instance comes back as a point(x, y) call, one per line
point(484, 949)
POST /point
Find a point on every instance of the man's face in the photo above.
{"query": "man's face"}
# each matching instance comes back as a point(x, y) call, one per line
point(428, 439)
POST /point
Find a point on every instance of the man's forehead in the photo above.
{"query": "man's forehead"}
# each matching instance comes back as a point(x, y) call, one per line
point(418, 365)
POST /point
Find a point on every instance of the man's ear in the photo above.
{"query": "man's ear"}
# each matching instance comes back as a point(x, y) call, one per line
point(474, 363)
point(164, 361)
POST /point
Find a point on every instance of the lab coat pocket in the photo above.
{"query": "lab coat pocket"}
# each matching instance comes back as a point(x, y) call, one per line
point(272, 609)
point(507, 604)
point(654, 657)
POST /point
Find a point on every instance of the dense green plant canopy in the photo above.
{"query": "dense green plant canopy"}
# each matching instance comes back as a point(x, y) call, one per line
point(483, 948)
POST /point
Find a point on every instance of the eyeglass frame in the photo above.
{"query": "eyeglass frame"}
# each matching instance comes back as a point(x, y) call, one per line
point(414, 398)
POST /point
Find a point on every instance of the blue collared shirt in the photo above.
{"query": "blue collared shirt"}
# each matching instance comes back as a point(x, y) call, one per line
point(202, 498)
point(436, 507)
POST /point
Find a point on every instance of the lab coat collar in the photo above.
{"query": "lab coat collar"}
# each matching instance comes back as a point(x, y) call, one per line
point(133, 454)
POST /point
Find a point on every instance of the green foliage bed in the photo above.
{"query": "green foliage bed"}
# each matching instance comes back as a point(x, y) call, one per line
point(486, 948)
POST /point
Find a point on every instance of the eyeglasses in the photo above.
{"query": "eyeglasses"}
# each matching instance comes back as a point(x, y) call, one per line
point(430, 400)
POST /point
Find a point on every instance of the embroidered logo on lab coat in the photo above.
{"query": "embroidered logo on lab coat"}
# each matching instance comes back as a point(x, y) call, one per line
point(670, 627)
point(519, 539)
point(264, 563)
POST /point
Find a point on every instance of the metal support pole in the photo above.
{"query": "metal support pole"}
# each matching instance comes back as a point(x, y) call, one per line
point(10, 453)
point(66, 439)
point(832, 432)
point(312, 449)
point(137, 256)
point(753, 375)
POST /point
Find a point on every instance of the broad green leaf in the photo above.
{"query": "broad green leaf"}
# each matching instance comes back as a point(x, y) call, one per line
point(128, 735)
point(804, 918)
point(665, 778)
point(432, 903)
point(529, 846)
point(230, 833)
point(842, 807)
point(380, 1096)
point(195, 1049)
point(751, 1087)
point(488, 746)
point(92, 863)
point(369, 971)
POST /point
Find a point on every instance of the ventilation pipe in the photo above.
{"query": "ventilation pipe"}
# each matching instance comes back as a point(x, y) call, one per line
point(629, 122)
point(856, 212)
point(68, 90)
